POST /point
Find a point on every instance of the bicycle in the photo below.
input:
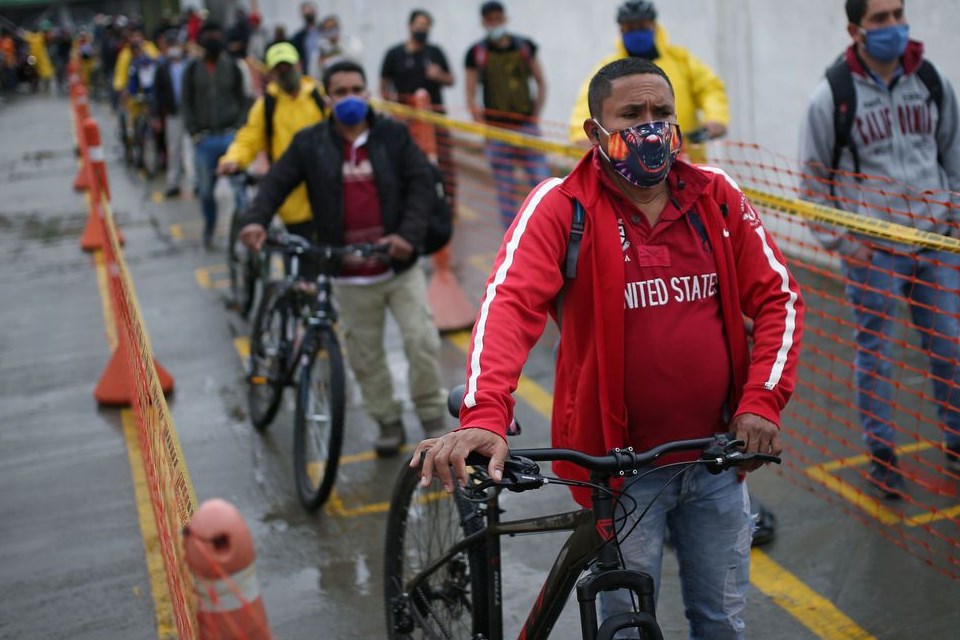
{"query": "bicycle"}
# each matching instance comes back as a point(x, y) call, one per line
point(442, 564)
point(293, 340)
point(243, 263)
point(147, 155)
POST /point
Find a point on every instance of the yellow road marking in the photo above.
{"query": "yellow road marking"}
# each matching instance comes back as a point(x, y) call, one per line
point(823, 473)
point(163, 607)
point(811, 609)
point(176, 231)
point(166, 627)
point(157, 197)
point(203, 277)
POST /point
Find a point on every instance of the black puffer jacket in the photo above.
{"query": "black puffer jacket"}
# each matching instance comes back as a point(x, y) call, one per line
point(315, 156)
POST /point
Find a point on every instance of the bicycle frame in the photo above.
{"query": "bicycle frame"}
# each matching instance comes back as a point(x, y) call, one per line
point(591, 538)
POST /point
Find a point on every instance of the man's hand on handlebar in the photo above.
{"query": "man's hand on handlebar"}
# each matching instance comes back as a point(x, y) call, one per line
point(227, 167)
point(715, 129)
point(452, 449)
point(759, 436)
point(253, 235)
point(400, 249)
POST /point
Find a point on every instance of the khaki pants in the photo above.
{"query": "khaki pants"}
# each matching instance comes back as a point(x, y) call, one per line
point(362, 320)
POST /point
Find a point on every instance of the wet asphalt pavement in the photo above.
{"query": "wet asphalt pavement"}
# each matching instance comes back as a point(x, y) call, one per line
point(72, 556)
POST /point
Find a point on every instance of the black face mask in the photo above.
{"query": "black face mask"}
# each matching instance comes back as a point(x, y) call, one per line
point(213, 47)
point(310, 18)
point(421, 36)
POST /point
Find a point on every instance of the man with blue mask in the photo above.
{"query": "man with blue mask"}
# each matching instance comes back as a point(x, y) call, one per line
point(881, 140)
point(652, 344)
point(367, 181)
point(701, 97)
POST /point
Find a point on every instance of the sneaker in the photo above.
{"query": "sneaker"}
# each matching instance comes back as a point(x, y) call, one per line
point(765, 526)
point(434, 428)
point(953, 459)
point(390, 440)
point(885, 476)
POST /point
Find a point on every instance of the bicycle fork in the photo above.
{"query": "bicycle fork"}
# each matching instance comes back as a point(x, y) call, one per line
point(610, 577)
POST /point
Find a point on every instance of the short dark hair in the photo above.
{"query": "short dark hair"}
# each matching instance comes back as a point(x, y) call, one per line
point(416, 13)
point(601, 85)
point(210, 25)
point(491, 6)
point(344, 66)
point(856, 9)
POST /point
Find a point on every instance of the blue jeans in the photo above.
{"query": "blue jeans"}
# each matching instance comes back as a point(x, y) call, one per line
point(874, 292)
point(504, 158)
point(207, 152)
point(710, 525)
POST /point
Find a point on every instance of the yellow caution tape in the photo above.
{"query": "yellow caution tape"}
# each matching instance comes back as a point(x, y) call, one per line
point(807, 210)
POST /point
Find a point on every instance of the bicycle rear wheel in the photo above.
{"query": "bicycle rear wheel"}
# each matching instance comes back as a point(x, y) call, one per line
point(269, 351)
point(423, 523)
point(318, 426)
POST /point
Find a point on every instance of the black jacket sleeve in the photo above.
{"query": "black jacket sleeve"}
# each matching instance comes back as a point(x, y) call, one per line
point(284, 176)
point(187, 107)
point(413, 169)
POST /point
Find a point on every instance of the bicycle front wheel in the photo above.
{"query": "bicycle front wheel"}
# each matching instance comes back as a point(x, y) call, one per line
point(240, 266)
point(318, 426)
point(269, 351)
point(423, 523)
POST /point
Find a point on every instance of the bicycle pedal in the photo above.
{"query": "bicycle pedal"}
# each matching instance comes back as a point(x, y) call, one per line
point(258, 380)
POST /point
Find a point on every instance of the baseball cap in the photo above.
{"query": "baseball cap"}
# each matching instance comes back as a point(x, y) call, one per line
point(281, 52)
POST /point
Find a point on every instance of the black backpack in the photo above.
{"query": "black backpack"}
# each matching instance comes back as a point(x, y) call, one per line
point(270, 107)
point(440, 222)
point(840, 79)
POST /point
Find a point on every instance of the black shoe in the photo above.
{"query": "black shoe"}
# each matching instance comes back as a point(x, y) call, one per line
point(885, 477)
point(390, 440)
point(953, 459)
point(765, 527)
point(171, 192)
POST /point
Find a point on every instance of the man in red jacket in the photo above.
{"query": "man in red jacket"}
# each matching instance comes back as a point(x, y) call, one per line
point(652, 347)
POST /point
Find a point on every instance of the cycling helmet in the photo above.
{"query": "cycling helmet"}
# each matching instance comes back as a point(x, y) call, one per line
point(636, 10)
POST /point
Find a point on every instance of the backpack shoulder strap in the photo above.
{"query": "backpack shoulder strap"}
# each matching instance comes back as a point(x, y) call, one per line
point(840, 79)
point(269, 108)
point(318, 99)
point(931, 80)
point(524, 48)
point(573, 243)
point(573, 254)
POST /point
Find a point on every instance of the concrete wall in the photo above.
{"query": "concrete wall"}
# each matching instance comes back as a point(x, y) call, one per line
point(770, 52)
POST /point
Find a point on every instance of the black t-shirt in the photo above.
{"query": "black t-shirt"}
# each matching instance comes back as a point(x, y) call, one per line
point(505, 74)
point(407, 70)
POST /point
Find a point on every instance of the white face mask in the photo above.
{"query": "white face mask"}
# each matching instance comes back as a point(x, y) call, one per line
point(175, 52)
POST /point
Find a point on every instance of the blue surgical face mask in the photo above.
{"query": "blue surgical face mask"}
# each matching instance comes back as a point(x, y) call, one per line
point(643, 154)
point(495, 33)
point(350, 111)
point(887, 43)
point(638, 42)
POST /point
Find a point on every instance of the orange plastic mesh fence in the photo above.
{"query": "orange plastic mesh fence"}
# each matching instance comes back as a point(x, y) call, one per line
point(171, 491)
point(825, 449)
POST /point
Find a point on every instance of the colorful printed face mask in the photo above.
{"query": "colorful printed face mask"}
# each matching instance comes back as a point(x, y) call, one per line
point(642, 154)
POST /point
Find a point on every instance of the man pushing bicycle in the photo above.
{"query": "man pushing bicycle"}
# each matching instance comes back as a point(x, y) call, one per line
point(667, 260)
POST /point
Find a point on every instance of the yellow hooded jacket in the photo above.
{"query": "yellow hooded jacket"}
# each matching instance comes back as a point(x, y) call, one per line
point(290, 115)
point(121, 73)
point(700, 94)
point(37, 41)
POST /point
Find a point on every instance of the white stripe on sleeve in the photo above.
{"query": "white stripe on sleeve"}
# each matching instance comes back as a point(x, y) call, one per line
point(790, 321)
point(469, 399)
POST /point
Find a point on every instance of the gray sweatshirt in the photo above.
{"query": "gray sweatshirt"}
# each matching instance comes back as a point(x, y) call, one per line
point(898, 134)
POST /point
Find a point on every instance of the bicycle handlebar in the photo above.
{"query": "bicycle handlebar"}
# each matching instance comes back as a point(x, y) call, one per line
point(297, 245)
point(521, 471)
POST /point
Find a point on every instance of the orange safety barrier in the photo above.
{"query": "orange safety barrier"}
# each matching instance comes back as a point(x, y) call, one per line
point(451, 309)
point(825, 449)
point(219, 551)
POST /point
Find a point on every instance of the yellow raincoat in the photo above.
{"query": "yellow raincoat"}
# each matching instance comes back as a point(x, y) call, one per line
point(291, 114)
point(121, 73)
point(37, 41)
point(700, 94)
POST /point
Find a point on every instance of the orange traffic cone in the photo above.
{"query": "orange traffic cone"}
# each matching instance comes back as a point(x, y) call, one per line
point(94, 234)
point(219, 551)
point(451, 309)
point(115, 387)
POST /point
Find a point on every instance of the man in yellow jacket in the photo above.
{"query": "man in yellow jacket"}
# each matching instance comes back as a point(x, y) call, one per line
point(290, 103)
point(136, 44)
point(701, 97)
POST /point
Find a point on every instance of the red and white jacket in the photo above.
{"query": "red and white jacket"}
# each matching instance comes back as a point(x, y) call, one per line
point(589, 412)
